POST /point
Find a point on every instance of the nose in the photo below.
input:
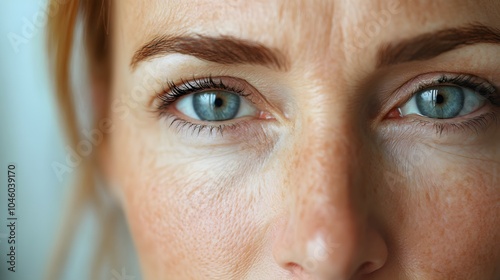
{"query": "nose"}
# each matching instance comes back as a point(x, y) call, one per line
point(327, 231)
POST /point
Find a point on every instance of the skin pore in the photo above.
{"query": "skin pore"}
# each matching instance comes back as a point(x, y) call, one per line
point(323, 178)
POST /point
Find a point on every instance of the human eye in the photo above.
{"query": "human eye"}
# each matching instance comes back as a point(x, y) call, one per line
point(452, 101)
point(215, 105)
point(212, 104)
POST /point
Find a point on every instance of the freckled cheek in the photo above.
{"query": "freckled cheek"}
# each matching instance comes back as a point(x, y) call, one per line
point(194, 225)
point(454, 218)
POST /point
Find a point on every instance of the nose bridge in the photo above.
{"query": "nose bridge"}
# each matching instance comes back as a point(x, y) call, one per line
point(327, 174)
point(327, 221)
point(328, 146)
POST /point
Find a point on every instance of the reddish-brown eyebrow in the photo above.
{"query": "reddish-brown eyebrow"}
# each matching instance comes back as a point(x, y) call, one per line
point(430, 45)
point(222, 50)
point(230, 50)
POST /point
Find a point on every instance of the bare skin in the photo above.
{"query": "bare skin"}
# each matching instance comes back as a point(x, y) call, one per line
point(325, 178)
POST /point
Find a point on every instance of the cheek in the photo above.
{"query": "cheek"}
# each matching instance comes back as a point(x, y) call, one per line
point(450, 221)
point(199, 219)
point(193, 234)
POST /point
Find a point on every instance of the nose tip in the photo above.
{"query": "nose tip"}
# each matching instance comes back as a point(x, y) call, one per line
point(343, 250)
point(328, 260)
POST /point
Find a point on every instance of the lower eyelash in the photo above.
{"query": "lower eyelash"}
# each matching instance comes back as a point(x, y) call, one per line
point(197, 129)
point(475, 125)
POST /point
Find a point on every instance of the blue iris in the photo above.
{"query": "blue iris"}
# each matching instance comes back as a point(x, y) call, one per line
point(216, 105)
point(441, 102)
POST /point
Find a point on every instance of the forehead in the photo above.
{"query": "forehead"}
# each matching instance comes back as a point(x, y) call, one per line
point(299, 27)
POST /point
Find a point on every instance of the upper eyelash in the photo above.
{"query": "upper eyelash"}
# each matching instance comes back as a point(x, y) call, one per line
point(173, 92)
point(483, 88)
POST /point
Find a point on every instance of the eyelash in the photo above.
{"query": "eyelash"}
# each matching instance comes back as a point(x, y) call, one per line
point(476, 124)
point(483, 88)
point(173, 92)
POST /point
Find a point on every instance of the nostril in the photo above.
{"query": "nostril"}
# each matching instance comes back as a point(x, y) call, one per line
point(367, 268)
point(294, 268)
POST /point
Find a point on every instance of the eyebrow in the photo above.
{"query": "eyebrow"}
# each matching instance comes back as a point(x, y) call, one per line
point(430, 45)
point(223, 50)
point(230, 50)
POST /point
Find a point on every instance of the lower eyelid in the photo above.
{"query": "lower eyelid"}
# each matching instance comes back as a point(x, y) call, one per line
point(480, 119)
point(221, 132)
point(474, 125)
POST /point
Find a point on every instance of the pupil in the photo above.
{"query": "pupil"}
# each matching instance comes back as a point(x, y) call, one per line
point(439, 99)
point(218, 102)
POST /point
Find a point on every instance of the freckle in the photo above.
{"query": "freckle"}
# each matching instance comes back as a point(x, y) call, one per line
point(427, 197)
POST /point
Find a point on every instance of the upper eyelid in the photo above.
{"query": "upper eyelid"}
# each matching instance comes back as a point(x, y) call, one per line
point(421, 82)
point(461, 80)
point(203, 84)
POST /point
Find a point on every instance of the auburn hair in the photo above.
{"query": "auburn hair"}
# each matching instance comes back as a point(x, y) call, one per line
point(93, 17)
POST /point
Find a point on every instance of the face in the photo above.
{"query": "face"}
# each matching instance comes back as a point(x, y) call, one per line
point(308, 140)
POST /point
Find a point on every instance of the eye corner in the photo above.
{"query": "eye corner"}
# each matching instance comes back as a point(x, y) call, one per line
point(394, 114)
